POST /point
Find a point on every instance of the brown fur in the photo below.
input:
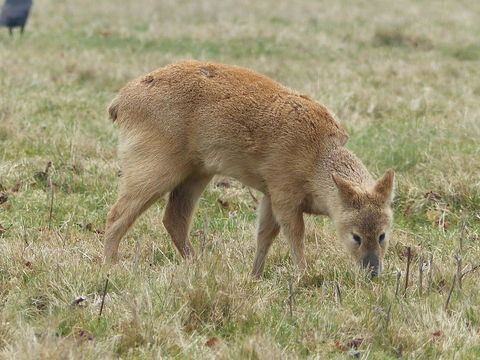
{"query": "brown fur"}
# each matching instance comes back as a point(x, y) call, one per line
point(113, 110)
point(183, 123)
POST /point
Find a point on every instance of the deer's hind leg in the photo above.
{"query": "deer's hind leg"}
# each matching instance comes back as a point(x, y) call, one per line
point(180, 208)
point(144, 181)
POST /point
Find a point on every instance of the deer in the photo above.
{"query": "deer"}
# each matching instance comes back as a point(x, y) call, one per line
point(184, 123)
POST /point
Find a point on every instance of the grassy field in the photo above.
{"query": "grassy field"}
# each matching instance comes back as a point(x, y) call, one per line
point(403, 78)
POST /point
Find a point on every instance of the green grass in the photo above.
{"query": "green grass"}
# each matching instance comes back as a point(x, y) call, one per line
point(401, 77)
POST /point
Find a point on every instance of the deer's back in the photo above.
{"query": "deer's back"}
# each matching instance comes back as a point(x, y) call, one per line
point(223, 113)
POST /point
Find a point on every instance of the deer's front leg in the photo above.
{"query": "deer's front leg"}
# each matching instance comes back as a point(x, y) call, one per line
point(293, 227)
point(267, 230)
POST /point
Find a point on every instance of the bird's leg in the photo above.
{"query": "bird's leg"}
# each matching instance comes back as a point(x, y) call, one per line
point(10, 30)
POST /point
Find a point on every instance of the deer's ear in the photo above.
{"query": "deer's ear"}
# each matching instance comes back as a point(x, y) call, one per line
point(384, 186)
point(346, 190)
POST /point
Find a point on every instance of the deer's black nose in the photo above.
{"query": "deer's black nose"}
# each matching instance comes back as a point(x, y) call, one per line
point(370, 261)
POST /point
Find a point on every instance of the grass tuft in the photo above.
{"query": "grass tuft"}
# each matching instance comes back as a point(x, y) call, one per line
point(397, 36)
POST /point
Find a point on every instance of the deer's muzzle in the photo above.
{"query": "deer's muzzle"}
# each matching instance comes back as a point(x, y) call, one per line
point(371, 262)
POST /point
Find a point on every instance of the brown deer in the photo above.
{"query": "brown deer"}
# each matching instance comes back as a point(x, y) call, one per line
point(185, 122)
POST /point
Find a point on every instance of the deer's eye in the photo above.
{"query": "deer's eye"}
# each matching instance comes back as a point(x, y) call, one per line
point(381, 237)
point(357, 239)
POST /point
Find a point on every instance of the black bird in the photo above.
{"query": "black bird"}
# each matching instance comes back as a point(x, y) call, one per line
point(14, 14)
